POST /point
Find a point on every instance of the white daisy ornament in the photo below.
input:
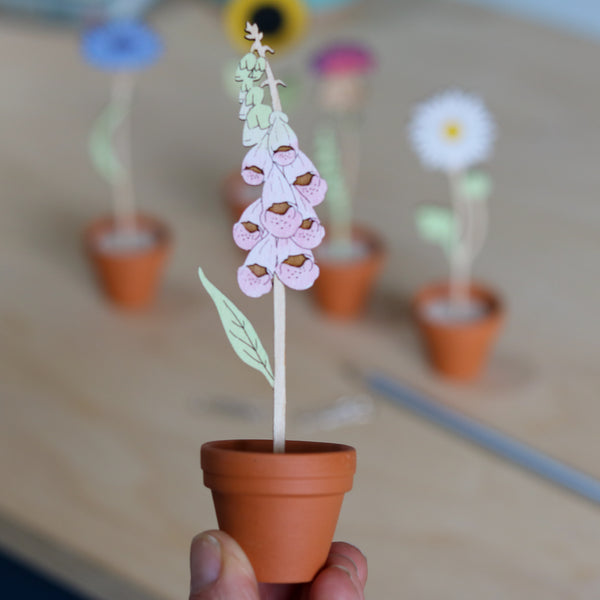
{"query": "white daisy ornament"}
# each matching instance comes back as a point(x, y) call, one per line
point(452, 131)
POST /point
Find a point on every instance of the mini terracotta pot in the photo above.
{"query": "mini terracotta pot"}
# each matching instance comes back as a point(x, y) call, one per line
point(459, 350)
point(238, 195)
point(281, 508)
point(130, 277)
point(343, 288)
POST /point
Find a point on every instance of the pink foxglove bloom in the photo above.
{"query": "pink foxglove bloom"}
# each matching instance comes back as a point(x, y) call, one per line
point(283, 142)
point(281, 216)
point(295, 265)
point(248, 231)
point(257, 163)
point(310, 233)
point(255, 276)
point(303, 174)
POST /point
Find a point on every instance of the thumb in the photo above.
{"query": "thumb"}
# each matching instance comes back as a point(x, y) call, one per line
point(220, 570)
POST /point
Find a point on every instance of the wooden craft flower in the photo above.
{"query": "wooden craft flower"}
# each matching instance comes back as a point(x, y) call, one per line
point(280, 228)
point(283, 142)
point(257, 162)
point(121, 45)
point(295, 265)
point(249, 230)
point(452, 131)
point(255, 276)
point(303, 174)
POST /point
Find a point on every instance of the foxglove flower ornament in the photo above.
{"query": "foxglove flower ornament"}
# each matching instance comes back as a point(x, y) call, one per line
point(248, 231)
point(257, 163)
point(303, 174)
point(255, 276)
point(279, 229)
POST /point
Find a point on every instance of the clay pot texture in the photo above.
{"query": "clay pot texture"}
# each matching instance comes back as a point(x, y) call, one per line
point(343, 288)
point(129, 278)
point(281, 508)
point(459, 350)
point(238, 195)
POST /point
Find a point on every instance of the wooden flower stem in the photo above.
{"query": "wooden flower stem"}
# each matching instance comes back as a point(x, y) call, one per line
point(279, 384)
point(460, 256)
point(279, 388)
point(122, 186)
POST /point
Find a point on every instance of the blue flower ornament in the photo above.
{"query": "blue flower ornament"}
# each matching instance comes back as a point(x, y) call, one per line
point(121, 45)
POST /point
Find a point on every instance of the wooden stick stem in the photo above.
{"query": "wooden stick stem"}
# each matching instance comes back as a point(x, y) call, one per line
point(279, 384)
point(279, 387)
point(122, 186)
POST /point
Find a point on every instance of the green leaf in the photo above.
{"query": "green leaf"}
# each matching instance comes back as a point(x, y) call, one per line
point(258, 116)
point(242, 336)
point(475, 186)
point(436, 224)
point(255, 96)
point(102, 152)
point(248, 61)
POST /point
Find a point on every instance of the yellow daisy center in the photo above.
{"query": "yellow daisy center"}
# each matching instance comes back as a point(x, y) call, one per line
point(452, 130)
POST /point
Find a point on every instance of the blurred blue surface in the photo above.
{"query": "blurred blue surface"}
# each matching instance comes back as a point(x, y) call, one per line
point(78, 10)
point(19, 580)
point(581, 17)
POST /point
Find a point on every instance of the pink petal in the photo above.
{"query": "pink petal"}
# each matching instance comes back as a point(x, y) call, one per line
point(248, 231)
point(303, 174)
point(255, 276)
point(280, 216)
point(253, 285)
point(310, 234)
point(282, 225)
point(283, 142)
point(314, 191)
point(296, 266)
point(298, 278)
point(257, 163)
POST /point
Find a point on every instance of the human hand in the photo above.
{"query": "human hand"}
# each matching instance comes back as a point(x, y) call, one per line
point(220, 571)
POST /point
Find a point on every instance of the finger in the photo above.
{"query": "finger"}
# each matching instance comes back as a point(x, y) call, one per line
point(335, 581)
point(220, 570)
point(353, 554)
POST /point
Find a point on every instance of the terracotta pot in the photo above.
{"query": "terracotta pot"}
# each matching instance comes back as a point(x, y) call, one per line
point(343, 288)
point(281, 508)
point(129, 277)
point(238, 195)
point(459, 350)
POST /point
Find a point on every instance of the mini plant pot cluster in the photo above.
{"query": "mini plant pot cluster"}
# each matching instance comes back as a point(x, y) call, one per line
point(279, 499)
point(128, 250)
point(353, 255)
point(459, 319)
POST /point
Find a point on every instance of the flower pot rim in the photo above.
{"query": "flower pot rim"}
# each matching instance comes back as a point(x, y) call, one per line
point(265, 447)
point(493, 300)
point(103, 224)
point(376, 248)
point(254, 458)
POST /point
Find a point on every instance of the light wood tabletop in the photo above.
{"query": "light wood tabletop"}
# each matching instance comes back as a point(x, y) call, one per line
point(102, 413)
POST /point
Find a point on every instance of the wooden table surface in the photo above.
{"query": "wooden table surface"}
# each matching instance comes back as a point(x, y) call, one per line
point(102, 413)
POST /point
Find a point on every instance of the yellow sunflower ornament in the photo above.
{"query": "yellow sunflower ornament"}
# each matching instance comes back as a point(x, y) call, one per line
point(282, 21)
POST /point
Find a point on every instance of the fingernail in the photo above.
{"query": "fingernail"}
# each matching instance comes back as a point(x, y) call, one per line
point(205, 562)
point(341, 568)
